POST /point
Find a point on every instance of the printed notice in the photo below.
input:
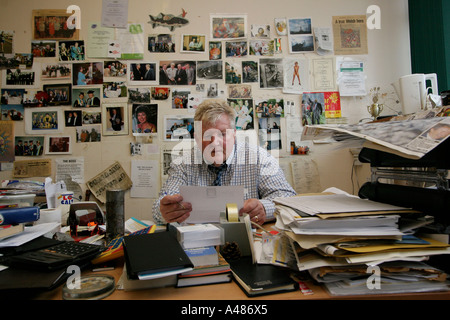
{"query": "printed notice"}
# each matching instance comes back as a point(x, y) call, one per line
point(145, 177)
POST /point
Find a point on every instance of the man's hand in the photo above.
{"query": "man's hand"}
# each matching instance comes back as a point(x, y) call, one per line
point(173, 209)
point(255, 209)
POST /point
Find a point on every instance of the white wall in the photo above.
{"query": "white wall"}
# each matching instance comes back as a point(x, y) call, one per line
point(388, 59)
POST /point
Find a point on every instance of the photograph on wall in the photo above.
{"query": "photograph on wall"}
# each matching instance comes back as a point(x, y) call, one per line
point(20, 78)
point(296, 75)
point(271, 73)
point(34, 98)
point(86, 97)
point(160, 93)
point(269, 133)
point(233, 72)
point(280, 26)
point(58, 145)
point(236, 49)
point(91, 116)
point(28, 146)
point(89, 133)
point(52, 25)
point(210, 70)
point(215, 50)
point(139, 95)
point(43, 48)
point(144, 119)
point(12, 96)
point(72, 50)
point(244, 113)
point(58, 94)
point(195, 43)
point(250, 71)
point(177, 72)
point(89, 73)
point(178, 127)
point(313, 108)
point(115, 90)
point(350, 35)
point(6, 42)
point(73, 118)
point(269, 108)
point(56, 71)
point(114, 70)
point(260, 31)
point(12, 112)
point(114, 119)
point(45, 120)
point(228, 26)
point(7, 138)
point(240, 91)
point(180, 97)
point(300, 34)
point(142, 73)
point(261, 47)
point(16, 60)
point(161, 43)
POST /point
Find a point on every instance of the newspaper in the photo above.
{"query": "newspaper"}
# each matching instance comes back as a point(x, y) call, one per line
point(113, 177)
point(412, 138)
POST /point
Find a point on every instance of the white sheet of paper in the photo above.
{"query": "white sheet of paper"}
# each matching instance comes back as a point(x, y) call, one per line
point(208, 202)
point(143, 175)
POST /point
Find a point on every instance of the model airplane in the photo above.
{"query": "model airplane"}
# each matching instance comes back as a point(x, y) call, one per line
point(169, 20)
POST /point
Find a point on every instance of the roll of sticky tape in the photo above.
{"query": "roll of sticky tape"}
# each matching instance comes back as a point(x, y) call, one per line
point(232, 212)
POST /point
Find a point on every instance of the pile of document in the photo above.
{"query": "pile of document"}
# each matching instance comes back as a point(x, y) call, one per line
point(357, 246)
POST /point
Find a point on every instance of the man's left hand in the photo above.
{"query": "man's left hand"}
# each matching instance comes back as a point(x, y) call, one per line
point(255, 209)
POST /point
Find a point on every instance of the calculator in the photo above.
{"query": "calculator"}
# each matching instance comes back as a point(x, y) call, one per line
point(114, 249)
point(57, 256)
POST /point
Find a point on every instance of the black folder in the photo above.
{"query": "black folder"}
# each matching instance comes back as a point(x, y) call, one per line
point(261, 279)
point(153, 254)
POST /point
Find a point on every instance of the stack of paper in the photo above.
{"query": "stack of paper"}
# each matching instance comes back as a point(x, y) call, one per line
point(336, 237)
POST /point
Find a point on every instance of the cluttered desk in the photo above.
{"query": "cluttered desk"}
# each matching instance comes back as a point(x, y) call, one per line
point(390, 242)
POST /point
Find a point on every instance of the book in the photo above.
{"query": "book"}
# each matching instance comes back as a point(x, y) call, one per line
point(154, 255)
point(10, 230)
point(18, 215)
point(203, 256)
point(203, 280)
point(260, 279)
point(222, 267)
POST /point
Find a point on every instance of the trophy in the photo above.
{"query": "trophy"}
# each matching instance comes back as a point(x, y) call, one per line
point(375, 109)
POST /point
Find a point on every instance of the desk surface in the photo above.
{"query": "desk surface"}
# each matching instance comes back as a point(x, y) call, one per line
point(231, 291)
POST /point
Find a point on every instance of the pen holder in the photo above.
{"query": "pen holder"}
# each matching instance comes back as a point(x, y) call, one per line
point(115, 216)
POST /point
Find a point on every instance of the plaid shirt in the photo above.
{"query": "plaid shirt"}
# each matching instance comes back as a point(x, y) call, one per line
point(250, 166)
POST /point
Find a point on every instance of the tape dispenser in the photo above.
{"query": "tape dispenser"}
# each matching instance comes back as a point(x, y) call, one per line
point(236, 229)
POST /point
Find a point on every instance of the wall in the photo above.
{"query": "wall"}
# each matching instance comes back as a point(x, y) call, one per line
point(388, 59)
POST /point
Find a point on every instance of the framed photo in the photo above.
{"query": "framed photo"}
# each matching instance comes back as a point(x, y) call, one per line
point(178, 128)
point(45, 120)
point(114, 119)
point(228, 26)
point(56, 71)
point(28, 146)
point(89, 73)
point(144, 119)
point(50, 25)
point(58, 94)
point(193, 43)
point(58, 145)
point(142, 73)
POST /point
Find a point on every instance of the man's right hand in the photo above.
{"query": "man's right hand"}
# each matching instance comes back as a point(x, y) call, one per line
point(173, 209)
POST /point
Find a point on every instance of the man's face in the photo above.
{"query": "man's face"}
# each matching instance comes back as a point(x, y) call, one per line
point(217, 141)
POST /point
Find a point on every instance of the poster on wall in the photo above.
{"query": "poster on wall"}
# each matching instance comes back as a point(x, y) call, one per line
point(350, 35)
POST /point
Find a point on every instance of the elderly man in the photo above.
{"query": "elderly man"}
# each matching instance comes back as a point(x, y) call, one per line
point(223, 162)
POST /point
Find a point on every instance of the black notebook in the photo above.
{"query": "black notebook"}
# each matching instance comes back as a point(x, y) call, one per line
point(260, 279)
point(154, 255)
